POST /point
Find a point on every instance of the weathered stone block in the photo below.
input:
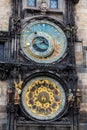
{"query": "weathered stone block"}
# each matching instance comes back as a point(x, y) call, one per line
point(5, 12)
point(3, 116)
point(78, 53)
point(3, 92)
point(83, 126)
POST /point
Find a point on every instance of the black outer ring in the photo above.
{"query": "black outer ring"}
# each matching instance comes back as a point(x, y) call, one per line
point(57, 78)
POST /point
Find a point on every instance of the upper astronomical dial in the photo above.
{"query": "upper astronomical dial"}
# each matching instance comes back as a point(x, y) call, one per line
point(43, 41)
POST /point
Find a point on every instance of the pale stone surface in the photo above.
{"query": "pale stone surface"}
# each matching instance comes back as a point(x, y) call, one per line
point(79, 53)
point(5, 11)
point(81, 22)
point(81, 19)
point(3, 92)
point(3, 99)
point(3, 116)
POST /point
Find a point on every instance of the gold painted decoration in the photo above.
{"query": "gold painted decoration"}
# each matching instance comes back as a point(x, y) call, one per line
point(43, 98)
point(18, 89)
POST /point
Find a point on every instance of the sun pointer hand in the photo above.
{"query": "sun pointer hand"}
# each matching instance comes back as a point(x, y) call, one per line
point(27, 45)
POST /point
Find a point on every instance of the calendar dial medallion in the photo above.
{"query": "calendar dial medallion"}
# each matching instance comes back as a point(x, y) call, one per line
point(43, 98)
point(43, 41)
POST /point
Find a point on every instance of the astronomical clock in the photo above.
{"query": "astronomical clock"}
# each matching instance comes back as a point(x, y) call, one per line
point(42, 75)
point(43, 42)
point(44, 95)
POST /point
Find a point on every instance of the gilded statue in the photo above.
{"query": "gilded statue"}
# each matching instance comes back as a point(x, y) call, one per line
point(18, 89)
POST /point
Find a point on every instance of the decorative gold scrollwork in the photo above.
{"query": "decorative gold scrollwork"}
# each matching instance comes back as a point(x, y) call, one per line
point(18, 88)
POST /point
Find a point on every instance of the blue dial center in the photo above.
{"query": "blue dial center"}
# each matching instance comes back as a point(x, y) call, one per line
point(40, 44)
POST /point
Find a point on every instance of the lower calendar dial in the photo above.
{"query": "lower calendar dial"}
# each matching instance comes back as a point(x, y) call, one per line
point(43, 98)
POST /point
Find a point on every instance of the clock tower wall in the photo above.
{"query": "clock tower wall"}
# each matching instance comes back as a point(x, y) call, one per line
point(81, 53)
point(80, 46)
point(5, 13)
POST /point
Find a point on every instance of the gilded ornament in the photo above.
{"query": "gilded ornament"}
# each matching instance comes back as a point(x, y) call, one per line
point(18, 89)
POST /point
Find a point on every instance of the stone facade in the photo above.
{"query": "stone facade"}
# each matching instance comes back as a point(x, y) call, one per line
point(5, 12)
point(3, 103)
point(81, 21)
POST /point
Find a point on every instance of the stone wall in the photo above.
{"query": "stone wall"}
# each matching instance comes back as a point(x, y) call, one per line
point(81, 20)
point(3, 103)
point(5, 12)
point(81, 51)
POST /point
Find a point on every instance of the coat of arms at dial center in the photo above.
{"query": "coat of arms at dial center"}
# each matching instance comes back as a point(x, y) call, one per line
point(43, 98)
point(43, 41)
